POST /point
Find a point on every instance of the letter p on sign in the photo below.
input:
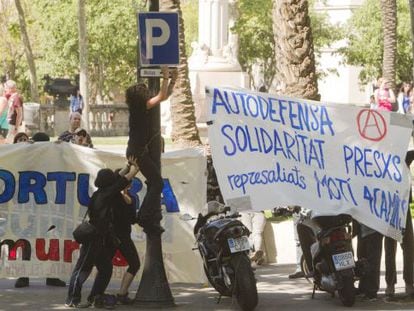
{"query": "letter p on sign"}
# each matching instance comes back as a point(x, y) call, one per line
point(158, 39)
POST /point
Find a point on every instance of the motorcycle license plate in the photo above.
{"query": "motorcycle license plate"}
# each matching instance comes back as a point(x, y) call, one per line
point(343, 261)
point(238, 245)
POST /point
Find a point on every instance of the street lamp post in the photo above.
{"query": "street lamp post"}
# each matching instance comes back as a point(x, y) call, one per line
point(154, 290)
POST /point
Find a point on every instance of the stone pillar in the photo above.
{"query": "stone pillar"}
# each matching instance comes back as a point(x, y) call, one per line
point(62, 114)
point(216, 46)
point(212, 24)
point(214, 58)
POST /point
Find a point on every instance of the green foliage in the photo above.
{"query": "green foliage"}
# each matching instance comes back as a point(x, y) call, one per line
point(257, 45)
point(412, 209)
point(112, 45)
point(53, 31)
point(13, 61)
point(190, 16)
point(58, 55)
point(324, 33)
point(256, 42)
point(14, 30)
point(365, 41)
point(112, 32)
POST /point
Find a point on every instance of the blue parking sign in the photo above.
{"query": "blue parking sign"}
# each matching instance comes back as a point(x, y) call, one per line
point(158, 39)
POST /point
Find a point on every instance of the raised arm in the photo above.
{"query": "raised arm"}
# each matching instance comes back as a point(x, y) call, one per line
point(163, 93)
point(174, 75)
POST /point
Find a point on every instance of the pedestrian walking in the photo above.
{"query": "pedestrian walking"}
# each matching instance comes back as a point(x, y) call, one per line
point(15, 109)
point(76, 102)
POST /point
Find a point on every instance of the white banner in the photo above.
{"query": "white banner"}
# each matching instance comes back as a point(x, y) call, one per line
point(45, 185)
point(271, 151)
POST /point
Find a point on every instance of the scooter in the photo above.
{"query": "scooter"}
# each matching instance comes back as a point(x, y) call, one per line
point(333, 265)
point(223, 243)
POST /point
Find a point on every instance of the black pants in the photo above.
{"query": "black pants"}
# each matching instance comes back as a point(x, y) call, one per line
point(150, 210)
point(91, 254)
point(370, 248)
point(407, 247)
point(130, 253)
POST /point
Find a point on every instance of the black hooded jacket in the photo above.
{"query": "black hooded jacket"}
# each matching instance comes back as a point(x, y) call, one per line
point(104, 200)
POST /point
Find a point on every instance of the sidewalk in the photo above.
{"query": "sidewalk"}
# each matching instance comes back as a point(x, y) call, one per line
point(276, 292)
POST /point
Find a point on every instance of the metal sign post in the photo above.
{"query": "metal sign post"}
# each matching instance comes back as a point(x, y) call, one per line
point(154, 290)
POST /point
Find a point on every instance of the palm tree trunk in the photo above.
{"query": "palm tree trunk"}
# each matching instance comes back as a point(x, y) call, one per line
point(184, 127)
point(389, 25)
point(28, 51)
point(411, 6)
point(295, 59)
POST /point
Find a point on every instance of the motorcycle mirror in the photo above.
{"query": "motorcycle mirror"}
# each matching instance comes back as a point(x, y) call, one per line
point(51, 228)
point(186, 217)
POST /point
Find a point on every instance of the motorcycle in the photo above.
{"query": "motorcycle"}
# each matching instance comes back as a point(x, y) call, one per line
point(223, 243)
point(332, 255)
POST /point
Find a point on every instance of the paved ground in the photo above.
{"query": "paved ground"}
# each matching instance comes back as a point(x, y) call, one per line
point(276, 292)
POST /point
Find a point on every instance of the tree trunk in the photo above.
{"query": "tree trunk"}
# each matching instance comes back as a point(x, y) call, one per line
point(295, 59)
point(411, 6)
point(389, 26)
point(184, 128)
point(28, 51)
point(83, 60)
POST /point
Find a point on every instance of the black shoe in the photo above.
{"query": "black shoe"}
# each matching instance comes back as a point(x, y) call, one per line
point(55, 282)
point(369, 297)
point(153, 228)
point(359, 292)
point(297, 275)
point(124, 299)
point(105, 301)
point(21, 282)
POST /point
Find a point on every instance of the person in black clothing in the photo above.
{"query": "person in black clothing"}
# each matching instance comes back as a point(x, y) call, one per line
point(99, 251)
point(140, 103)
point(407, 246)
point(369, 249)
point(124, 217)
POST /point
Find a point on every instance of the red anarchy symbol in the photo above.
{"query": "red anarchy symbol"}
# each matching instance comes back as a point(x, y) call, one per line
point(371, 125)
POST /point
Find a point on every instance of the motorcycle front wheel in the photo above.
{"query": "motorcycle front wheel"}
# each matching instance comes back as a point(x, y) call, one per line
point(244, 288)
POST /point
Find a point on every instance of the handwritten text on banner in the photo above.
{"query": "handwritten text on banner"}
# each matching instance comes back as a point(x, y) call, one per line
point(333, 159)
